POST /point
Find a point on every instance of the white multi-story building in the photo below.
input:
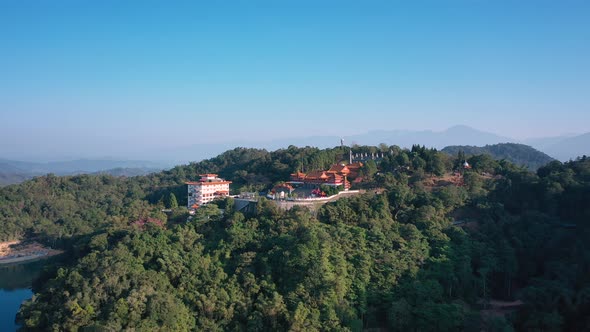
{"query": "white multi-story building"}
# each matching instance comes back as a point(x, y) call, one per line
point(208, 188)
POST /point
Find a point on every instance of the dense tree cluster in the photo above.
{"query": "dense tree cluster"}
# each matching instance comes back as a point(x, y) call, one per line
point(55, 209)
point(273, 270)
point(411, 256)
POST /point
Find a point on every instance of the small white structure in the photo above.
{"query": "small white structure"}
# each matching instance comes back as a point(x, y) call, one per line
point(208, 188)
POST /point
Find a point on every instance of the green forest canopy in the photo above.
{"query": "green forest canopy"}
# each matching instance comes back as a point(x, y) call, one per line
point(392, 260)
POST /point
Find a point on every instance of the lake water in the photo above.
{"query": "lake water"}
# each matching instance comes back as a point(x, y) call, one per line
point(15, 287)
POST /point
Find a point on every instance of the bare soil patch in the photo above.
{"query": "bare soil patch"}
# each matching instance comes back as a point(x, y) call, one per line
point(20, 251)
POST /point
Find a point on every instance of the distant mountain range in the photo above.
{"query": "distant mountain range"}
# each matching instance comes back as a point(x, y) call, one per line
point(561, 148)
point(518, 154)
point(404, 138)
point(12, 171)
point(453, 136)
point(456, 135)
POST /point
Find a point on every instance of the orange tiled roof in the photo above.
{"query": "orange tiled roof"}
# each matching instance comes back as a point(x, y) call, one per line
point(297, 176)
point(339, 169)
point(316, 175)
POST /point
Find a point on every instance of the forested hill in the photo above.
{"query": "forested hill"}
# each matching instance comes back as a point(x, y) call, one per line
point(394, 260)
point(518, 154)
point(60, 207)
point(12, 172)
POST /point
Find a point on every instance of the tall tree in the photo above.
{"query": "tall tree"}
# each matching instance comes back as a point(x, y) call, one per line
point(173, 203)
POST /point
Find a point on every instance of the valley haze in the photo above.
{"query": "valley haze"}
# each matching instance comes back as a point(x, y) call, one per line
point(562, 148)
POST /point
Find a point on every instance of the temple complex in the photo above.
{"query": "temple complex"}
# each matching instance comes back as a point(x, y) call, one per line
point(337, 175)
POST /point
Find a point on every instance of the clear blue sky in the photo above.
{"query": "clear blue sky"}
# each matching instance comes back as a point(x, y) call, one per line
point(105, 77)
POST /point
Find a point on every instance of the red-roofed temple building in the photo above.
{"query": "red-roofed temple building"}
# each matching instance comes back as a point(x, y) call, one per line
point(208, 188)
point(336, 176)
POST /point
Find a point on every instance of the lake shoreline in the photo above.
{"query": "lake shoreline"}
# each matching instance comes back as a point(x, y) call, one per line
point(16, 283)
point(16, 252)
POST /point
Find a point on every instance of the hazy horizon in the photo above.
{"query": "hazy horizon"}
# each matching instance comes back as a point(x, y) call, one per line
point(112, 79)
point(152, 155)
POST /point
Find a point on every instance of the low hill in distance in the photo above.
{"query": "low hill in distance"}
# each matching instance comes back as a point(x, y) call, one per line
point(567, 148)
point(13, 178)
point(518, 154)
point(13, 172)
point(129, 171)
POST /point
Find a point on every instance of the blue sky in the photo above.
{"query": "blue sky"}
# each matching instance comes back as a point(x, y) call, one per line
point(106, 77)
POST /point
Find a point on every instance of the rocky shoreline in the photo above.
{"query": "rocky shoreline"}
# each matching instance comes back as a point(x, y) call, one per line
point(17, 252)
